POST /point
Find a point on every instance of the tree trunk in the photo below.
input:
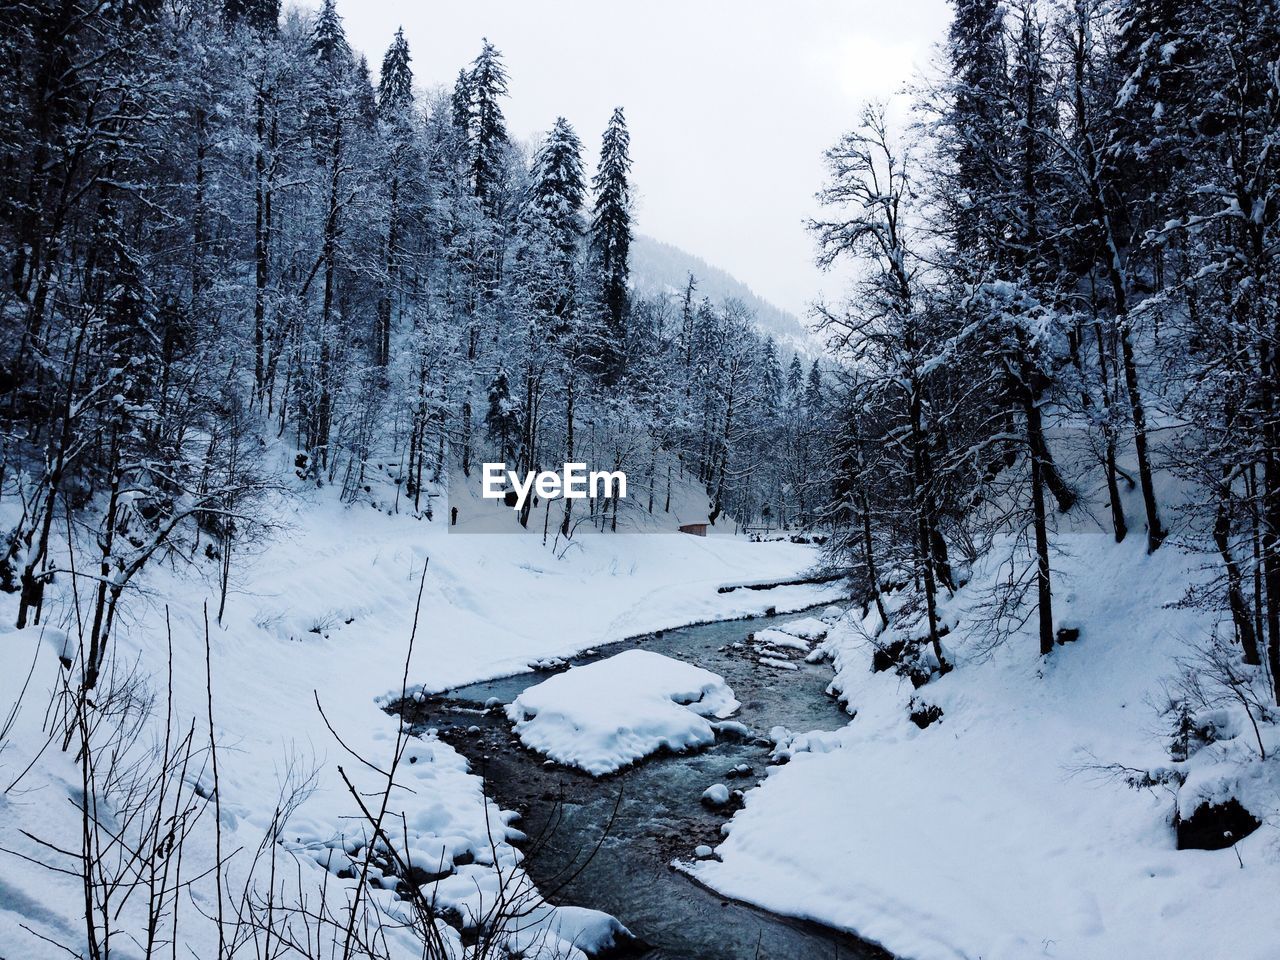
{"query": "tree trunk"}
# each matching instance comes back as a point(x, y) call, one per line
point(261, 243)
point(1044, 590)
point(382, 353)
point(924, 526)
point(568, 447)
point(869, 558)
point(1240, 615)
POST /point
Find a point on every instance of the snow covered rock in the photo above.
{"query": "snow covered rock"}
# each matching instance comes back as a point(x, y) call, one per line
point(567, 933)
point(807, 628)
point(716, 795)
point(777, 638)
point(608, 714)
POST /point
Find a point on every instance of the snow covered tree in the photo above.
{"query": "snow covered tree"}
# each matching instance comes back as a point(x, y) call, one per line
point(328, 40)
point(885, 330)
point(262, 16)
point(975, 46)
point(395, 84)
point(486, 85)
point(611, 232)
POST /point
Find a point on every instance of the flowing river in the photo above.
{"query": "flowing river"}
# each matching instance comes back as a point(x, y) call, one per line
point(608, 843)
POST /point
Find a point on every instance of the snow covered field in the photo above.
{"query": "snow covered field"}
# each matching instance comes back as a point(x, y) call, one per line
point(322, 617)
point(1002, 830)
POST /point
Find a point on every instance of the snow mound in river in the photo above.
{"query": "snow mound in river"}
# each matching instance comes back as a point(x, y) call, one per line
point(610, 713)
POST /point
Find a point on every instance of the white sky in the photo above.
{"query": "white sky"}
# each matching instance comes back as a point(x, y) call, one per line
point(730, 103)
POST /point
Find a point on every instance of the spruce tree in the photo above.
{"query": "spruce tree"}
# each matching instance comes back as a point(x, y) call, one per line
point(365, 94)
point(328, 40)
point(770, 377)
point(395, 104)
point(795, 378)
point(486, 85)
point(558, 189)
point(502, 419)
point(460, 107)
point(975, 46)
point(611, 231)
point(813, 389)
point(395, 85)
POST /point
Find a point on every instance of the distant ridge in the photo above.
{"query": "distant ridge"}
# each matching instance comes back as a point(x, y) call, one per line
point(658, 267)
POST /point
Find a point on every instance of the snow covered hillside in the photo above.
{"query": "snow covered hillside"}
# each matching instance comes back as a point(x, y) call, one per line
point(1019, 807)
point(320, 621)
point(661, 268)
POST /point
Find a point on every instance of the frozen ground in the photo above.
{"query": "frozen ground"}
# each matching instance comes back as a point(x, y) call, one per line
point(322, 615)
point(1002, 831)
point(608, 714)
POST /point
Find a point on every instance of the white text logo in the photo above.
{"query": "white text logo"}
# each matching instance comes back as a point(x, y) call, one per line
point(574, 483)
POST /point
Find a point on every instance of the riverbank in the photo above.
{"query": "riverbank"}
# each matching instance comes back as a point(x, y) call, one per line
point(1022, 806)
point(321, 617)
point(610, 843)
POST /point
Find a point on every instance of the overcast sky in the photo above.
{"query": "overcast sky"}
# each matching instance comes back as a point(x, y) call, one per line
point(730, 102)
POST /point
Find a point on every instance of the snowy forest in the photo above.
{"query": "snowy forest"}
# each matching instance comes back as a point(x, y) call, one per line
point(264, 303)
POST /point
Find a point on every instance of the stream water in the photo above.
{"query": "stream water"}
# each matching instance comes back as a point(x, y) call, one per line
point(608, 843)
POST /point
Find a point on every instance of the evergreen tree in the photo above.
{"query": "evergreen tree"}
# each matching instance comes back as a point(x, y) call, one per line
point(813, 390)
point(395, 85)
point(553, 225)
point(486, 85)
point(366, 95)
point(795, 378)
point(558, 189)
point(770, 378)
point(975, 46)
point(503, 417)
point(328, 40)
point(460, 107)
point(611, 230)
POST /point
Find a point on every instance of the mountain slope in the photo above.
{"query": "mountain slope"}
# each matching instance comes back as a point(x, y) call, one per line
point(658, 267)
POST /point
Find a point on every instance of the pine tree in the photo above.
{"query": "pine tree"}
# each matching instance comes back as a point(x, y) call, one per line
point(395, 85)
point(1031, 123)
point(770, 377)
point(502, 418)
point(460, 107)
point(553, 223)
point(813, 390)
point(795, 378)
point(328, 40)
point(611, 231)
point(334, 109)
point(395, 104)
point(486, 85)
point(365, 94)
point(975, 46)
point(1153, 64)
point(558, 189)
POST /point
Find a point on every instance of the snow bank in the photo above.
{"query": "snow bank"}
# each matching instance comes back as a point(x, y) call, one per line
point(608, 714)
point(324, 611)
point(806, 628)
point(1000, 832)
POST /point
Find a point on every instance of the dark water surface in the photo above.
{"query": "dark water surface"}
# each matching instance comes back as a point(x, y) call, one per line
point(608, 843)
